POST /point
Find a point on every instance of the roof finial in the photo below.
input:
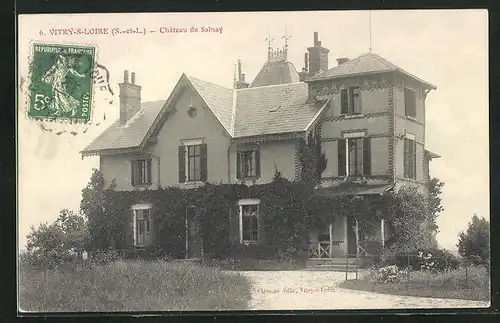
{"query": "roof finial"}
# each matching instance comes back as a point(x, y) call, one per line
point(269, 40)
point(370, 28)
point(286, 37)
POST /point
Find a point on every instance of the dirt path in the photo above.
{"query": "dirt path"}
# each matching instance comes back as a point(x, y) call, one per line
point(287, 290)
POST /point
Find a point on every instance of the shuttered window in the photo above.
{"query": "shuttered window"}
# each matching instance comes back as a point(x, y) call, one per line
point(350, 101)
point(410, 158)
point(354, 157)
point(141, 172)
point(193, 163)
point(410, 103)
point(248, 163)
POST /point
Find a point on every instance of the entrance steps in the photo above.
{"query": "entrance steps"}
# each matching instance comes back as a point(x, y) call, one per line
point(333, 264)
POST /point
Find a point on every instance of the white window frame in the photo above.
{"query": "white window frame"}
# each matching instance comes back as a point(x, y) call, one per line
point(136, 208)
point(347, 136)
point(246, 202)
point(187, 143)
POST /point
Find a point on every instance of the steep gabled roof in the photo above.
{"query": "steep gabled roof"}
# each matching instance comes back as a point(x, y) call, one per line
point(276, 72)
point(365, 64)
point(245, 112)
point(129, 135)
point(273, 109)
point(219, 99)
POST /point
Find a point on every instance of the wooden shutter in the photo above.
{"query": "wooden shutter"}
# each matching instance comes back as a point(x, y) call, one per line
point(406, 157)
point(257, 162)
point(367, 157)
point(410, 102)
point(132, 172)
point(182, 164)
point(341, 157)
point(203, 162)
point(344, 102)
point(414, 159)
point(148, 171)
point(238, 165)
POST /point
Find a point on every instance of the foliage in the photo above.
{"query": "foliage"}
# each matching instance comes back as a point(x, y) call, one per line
point(473, 284)
point(51, 244)
point(422, 259)
point(475, 241)
point(389, 274)
point(408, 221)
point(93, 207)
point(312, 159)
point(133, 286)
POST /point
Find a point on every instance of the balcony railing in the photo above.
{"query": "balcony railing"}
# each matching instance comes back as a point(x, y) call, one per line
point(321, 249)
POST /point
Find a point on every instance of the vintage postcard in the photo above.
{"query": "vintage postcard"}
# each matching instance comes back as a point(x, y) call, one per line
point(253, 161)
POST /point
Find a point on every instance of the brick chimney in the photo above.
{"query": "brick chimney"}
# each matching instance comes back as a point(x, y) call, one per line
point(318, 57)
point(130, 97)
point(240, 82)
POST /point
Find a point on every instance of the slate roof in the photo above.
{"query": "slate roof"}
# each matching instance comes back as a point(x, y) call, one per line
point(365, 64)
point(274, 109)
point(132, 133)
point(246, 112)
point(219, 99)
point(276, 72)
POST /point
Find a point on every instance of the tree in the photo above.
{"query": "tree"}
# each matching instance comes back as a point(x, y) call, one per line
point(93, 207)
point(408, 220)
point(475, 241)
point(50, 244)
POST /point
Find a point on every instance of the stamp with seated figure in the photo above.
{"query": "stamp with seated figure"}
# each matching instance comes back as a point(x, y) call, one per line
point(61, 83)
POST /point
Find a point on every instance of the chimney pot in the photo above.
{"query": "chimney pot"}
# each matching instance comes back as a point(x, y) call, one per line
point(125, 76)
point(132, 78)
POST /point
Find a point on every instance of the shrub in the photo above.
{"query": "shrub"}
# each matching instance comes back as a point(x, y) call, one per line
point(474, 243)
point(389, 274)
point(50, 245)
point(422, 259)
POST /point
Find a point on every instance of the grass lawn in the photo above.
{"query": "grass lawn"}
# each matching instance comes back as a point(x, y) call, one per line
point(450, 284)
point(132, 286)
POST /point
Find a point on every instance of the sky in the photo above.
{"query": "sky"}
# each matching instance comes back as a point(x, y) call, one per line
point(448, 48)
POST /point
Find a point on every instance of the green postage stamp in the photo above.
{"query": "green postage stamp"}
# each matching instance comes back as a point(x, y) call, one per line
point(61, 82)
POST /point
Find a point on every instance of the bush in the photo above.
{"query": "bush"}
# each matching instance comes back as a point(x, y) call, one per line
point(474, 243)
point(423, 259)
point(51, 245)
point(389, 274)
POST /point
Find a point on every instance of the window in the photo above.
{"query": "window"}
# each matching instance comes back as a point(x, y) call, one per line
point(142, 225)
point(193, 163)
point(141, 172)
point(249, 222)
point(248, 163)
point(350, 100)
point(193, 159)
point(410, 158)
point(410, 103)
point(354, 156)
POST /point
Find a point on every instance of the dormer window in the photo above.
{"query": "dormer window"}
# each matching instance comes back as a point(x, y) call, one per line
point(350, 100)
